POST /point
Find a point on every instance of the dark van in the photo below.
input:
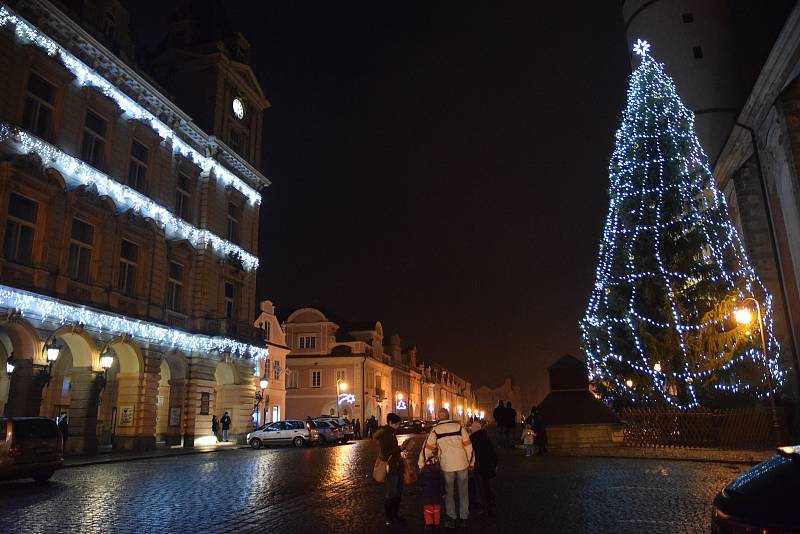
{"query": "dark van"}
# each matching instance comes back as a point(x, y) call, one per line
point(30, 447)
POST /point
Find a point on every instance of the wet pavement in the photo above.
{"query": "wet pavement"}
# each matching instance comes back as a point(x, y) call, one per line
point(325, 490)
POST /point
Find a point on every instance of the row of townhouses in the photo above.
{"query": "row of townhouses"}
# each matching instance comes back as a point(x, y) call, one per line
point(129, 216)
point(335, 367)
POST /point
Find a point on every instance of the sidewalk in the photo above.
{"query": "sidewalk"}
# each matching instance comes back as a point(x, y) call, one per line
point(691, 455)
point(113, 456)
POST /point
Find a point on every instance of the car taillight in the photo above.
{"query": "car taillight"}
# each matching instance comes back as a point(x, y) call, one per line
point(15, 451)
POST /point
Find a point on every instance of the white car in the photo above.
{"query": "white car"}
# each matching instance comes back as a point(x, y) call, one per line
point(294, 432)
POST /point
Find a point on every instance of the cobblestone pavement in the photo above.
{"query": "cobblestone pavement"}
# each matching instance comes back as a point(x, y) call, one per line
point(325, 490)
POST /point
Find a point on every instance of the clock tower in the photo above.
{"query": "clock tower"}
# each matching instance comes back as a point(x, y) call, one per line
point(205, 64)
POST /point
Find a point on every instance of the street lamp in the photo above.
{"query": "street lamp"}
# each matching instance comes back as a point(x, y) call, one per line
point(341, 385)
point(629, 383)
point(744, 316)
point(9, 366)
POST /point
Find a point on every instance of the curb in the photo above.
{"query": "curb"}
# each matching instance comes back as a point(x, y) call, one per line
point(102, 461)
point(741, 461)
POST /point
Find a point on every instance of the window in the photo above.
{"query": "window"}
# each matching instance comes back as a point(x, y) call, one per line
point(230, 301)
point(267, 328)
point(137, 169)
point(20, 229)
point(183, 197)
point(291, 379)
point(94, 140)
point(276, 371)
point(698, 52)
point(175, 286)
point(233, 222)
point(205, 402)
point(39, 103)
point(128, 256)
point(340, 375)
point(688, 18)
point(80, 250)
point(316, 378)
point(238, 142)
point(308, 342)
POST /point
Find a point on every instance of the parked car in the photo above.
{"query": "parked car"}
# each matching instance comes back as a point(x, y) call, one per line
point(329, 432)
point(29, 447)
point(763, 499)
point(291, 431)
point(414, 426)
point(342, 422)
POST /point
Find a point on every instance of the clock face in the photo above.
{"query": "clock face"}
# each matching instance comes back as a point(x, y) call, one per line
point(238, 108)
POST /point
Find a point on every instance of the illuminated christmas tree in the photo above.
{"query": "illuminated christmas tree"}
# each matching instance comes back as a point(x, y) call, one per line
point(673, 276)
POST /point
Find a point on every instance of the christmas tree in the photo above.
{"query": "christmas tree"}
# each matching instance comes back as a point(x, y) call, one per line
point(673, 276)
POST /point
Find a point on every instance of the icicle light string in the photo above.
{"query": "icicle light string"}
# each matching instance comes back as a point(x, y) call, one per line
point(85, 76)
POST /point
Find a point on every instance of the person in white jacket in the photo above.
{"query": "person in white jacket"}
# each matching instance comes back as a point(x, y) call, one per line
point(456, 459)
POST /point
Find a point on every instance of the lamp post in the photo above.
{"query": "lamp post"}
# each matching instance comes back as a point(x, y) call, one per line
point(744, 316)
point(341, 385)
point(263, 384)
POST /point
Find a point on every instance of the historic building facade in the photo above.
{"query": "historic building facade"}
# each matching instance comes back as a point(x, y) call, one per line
point(351, 369)
point(737, 66)
point(129, 233)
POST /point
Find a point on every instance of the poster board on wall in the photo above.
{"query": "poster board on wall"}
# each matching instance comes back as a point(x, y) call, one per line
point(125, 416)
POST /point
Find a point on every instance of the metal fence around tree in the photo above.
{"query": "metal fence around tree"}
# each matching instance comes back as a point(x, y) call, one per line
point(745, 428)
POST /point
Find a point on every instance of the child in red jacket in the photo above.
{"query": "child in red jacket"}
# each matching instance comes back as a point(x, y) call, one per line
point(433, 488)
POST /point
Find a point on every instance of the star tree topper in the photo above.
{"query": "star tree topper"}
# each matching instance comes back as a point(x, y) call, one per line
point(641, 47)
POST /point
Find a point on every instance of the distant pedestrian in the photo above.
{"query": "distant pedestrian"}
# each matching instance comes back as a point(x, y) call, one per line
point(454, 448)
point(499, 416)
point(511, 425)
point(394, 455)
point(540, 429)
point(372, 425)
point(215, 427)
point(63, 427)
point(357, 429)
point(433, 489)
point(528, 436)
point(485, 465)
point(226, 425)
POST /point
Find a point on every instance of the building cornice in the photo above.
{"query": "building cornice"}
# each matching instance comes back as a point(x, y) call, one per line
point(139, 100)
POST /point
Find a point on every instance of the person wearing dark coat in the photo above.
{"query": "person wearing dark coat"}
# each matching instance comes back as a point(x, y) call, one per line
point(392, 454)
point(63, 427)
point(226, 425)
point(499, 416)
point(432, 481)
point(215, 426)
point(541, 432)
point(357, 429)
point(511, 425)
point(485, 465)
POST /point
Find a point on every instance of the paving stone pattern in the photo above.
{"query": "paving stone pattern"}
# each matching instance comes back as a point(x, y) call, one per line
point(325, 490)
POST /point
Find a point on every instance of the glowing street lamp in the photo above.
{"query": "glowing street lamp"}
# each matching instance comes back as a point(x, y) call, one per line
point(341, 385)
point(9, 366)
point(744, 317)
point(460, 411)
point(657, 367)
point(629, 383)
point(483, 414)
point(263, 383)
point(106, 361)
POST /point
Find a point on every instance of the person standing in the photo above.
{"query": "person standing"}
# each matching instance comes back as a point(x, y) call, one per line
point(541, 432)
point(499, 416)
point(63, 427)
point(511, 425)
point(528, 436)
point(433, 488)
point(215, 427)
point(393, 454)
point(357, 429)
point(485, 465)
point(456, 459)
point(226, 425)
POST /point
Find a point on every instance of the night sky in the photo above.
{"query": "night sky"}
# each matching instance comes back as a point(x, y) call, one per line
point(438, 166)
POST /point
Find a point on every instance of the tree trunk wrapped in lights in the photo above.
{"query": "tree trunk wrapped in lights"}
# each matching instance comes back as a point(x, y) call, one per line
point(661, 324)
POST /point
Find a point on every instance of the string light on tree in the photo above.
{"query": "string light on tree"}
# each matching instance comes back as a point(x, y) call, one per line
point(662, 324)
